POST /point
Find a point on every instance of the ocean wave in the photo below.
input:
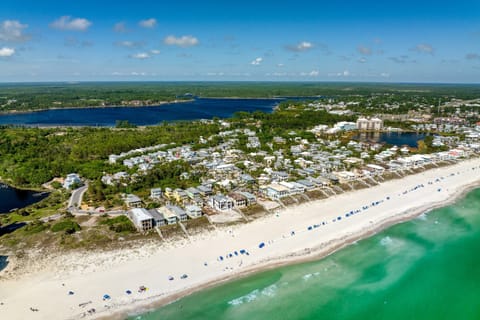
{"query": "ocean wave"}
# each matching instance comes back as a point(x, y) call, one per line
point(269, 291)
point(386, 241)
point(422, 217)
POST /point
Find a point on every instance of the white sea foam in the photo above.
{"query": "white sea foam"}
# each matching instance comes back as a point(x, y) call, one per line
point(244, 299)
point(269, 291)
point(386, 241)
point(422, 217)
point(307, 276)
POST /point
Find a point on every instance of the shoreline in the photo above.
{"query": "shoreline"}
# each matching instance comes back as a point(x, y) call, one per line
point(91, 275)
point(294, 258)
point(158, 104)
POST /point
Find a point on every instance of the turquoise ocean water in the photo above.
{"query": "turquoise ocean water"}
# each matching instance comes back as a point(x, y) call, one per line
point(427, 268)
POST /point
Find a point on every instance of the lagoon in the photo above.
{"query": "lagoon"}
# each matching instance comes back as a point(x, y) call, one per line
point(393, 138)
point(12, 198)
point(198, 108)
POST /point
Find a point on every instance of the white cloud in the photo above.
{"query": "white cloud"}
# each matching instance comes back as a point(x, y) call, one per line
point(257, 61)
point(71, 24)
point(129, 44)
point(302, 46)
point(364, 50)
point(424, 48)
point(314, 73)
point(183, 41)
point(280, 65)
point(120, 27)
point(155, 51)
point(362, 60)
point(141, 56)
point(6, 52)
point(12, 30)
point(148, 23)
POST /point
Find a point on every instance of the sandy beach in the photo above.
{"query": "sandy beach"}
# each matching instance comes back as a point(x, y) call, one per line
point(299, 233)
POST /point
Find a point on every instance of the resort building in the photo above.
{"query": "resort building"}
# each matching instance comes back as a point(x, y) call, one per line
point(141, 218)
point(374, 124)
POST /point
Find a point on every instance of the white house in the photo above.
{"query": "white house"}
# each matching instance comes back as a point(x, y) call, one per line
point(155, 193)
point(170, 216)
point(141, 218)
point(220, 203)
point(71, 179)
point(193, 211)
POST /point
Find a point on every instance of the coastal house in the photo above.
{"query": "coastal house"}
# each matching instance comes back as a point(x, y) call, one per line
point(169, 216)
point(239, 200)
point(180, 195)
point(308, 185)
point(274, 191)
point(220, 203)
point(251, 198)
point(141, 218)
point(155, 193)
point(132, 201)
point(193, 193)
point(279, 176)
point(71, 180)
point(193, 211)
point(158, 218)
point(179, 212)
point(205, 190)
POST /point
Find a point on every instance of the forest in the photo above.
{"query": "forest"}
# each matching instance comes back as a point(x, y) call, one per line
point(40, 96)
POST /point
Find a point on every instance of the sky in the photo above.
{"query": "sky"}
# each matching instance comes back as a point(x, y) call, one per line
point(374, 41)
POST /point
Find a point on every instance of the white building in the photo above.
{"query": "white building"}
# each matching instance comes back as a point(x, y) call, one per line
point(141, 218)
point(155, 193)
point(71, 179)
point(193, 211)
point(373, 124)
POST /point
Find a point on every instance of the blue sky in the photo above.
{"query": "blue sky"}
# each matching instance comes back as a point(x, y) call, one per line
point(378, 41)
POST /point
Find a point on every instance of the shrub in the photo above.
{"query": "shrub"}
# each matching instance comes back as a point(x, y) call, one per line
point(68, 226)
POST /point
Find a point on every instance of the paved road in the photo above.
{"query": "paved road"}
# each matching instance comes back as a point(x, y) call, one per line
point(77, 196)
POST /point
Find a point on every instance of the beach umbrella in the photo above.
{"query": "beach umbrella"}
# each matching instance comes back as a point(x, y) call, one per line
point(261, 245)
point(128, 292)
point(106, 297)
point(70, 293)
point(310, 228)
point(242, 251)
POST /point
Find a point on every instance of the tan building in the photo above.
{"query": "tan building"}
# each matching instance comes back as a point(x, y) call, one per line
point(373, 124)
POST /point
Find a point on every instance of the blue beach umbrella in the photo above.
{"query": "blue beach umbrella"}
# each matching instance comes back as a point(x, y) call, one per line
point(261, 245)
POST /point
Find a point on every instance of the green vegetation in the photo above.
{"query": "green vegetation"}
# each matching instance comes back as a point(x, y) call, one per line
point(67, 225)
point(33, 156)
point(25, 97)
point(120, 224)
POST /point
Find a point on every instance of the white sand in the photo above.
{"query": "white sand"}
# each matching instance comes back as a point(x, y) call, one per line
point(92, 275)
